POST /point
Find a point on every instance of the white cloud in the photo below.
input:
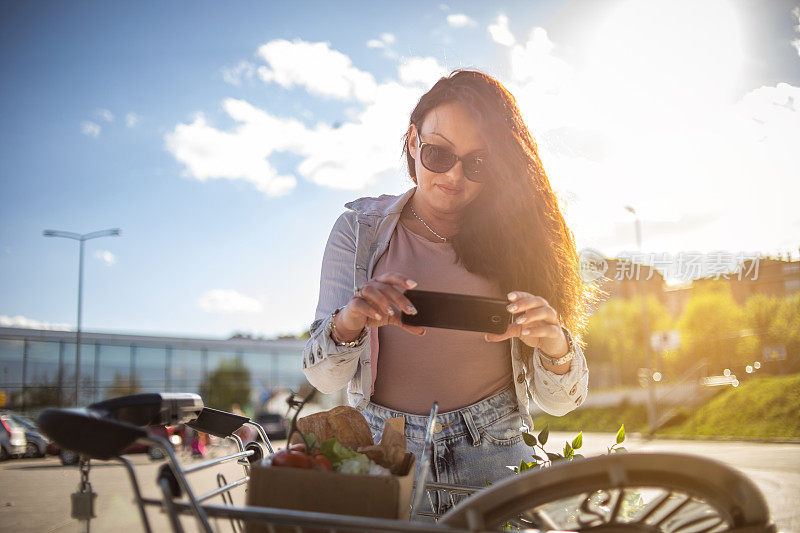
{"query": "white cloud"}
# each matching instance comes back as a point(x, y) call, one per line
point(90, 129)
point(317, 68)
point(646, 119)
point(104, 114)
point(132, 119)
point(796, 42)
point(209, 153)
point(20, 321)
point(326, 152)
point(244, 70)
point(106, 257)
point(500, 31)
point(386, 39)
point(421, 71)
point(460, 20)
point(533, 62)
point(228, 301)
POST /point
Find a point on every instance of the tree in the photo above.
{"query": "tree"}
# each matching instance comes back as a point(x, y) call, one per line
point(122, 386)
point(227, 385)
point(614, 335)
point(785, 330)
point(710, 327)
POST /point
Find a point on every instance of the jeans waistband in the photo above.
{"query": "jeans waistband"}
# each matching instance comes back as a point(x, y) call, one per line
point(453, 423)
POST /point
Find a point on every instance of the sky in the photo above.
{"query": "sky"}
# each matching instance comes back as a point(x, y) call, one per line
point(224, 139)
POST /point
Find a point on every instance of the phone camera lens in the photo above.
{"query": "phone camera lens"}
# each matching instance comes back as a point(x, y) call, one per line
point(496, 319)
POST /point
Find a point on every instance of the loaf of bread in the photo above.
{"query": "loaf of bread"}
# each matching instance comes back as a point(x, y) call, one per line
point(345, 424)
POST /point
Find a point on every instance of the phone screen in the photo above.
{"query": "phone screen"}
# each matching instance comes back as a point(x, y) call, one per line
point(457, 311)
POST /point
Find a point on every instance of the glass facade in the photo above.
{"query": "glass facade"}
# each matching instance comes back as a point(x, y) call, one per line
point(37, 367)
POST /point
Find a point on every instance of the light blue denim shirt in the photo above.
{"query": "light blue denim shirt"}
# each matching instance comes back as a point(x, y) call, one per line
point(358, 239)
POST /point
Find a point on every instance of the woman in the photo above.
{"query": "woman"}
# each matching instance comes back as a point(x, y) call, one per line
point(481, 219)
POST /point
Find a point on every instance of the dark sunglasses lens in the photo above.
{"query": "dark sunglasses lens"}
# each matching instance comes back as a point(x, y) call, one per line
point(437, 159)
point(475, 169)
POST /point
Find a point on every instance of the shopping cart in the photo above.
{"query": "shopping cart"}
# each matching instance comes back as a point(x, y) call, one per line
point(624, 492)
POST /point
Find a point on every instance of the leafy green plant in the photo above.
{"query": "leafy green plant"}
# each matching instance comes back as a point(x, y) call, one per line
point(542, 458)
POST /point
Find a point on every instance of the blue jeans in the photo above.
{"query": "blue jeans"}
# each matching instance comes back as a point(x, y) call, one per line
point(473, 446)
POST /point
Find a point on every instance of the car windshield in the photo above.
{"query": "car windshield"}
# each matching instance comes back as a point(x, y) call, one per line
point(28, 424)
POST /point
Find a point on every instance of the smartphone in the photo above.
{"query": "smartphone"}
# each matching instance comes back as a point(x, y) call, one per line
point(457, 311)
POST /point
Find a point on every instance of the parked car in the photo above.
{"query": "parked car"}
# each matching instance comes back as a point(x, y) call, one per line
point(36, 445)
point(274, 425)
point(12, 438)
point(68, 457)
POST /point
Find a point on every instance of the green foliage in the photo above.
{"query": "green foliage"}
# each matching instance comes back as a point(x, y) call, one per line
point(227, 385)
point(544, 434)
point(122, 386)
point(710, 328)
point(762, 407)
point(569, 454)
point(599, 419)
point(615, 335)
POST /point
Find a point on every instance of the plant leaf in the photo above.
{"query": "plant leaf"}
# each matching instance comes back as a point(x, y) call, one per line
point(538, 458)
point(620, 450)
point(577, 442)
point(544, 433)
point(621, 434)
point(554, 456)
point(523, 466)
point(567, 450)
point(529, 439)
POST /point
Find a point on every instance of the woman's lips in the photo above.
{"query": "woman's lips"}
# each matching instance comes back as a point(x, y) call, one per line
point(449, 190)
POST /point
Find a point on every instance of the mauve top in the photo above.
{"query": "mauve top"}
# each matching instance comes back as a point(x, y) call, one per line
point(455, 368)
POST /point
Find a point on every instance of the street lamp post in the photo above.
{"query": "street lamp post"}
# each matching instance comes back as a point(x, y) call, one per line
point(80, 238)
point(651, 393)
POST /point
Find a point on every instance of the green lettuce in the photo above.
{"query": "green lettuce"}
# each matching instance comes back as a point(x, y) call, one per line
point(344, 459)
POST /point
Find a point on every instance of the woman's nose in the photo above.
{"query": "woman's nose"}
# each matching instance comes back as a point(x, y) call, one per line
point(456, 171)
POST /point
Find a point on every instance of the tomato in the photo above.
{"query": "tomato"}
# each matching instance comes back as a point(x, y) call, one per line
point(299, 447)
point(292, 459)
point(322, 462)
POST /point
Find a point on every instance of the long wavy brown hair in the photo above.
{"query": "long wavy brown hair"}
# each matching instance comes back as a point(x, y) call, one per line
point(514, 231)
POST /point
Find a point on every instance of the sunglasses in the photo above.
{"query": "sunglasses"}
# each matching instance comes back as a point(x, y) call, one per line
point(440, 159)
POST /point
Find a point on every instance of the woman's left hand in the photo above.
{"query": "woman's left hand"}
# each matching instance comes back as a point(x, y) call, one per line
point(535, 322)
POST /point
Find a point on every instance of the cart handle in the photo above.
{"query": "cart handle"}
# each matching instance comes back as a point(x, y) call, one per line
point(87, 432)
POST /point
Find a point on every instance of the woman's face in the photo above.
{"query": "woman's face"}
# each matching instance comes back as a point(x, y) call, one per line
point(448, 125)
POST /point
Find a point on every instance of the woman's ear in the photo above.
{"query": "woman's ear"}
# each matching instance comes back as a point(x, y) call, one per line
point(412, 141)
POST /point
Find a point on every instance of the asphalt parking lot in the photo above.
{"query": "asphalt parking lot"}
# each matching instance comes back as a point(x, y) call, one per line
point(34, 493)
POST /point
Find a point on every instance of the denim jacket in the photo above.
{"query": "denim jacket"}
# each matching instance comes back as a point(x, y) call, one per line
point(358, 239)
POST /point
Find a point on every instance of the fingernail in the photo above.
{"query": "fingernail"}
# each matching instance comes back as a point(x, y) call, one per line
point(521, 320)
point(526, 332)
point(512, 296)
point(389, 310)
point(411, 310)
point(411, 283)
point(424, 331)
point(377, 316)
point(512, 307)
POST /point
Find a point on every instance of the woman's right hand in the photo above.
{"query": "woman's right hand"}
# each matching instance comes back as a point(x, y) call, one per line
point(379, 302)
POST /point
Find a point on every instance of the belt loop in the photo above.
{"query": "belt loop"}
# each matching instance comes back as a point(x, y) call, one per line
point(472, 428)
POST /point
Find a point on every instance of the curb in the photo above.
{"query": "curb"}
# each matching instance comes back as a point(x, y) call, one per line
point(718, 438)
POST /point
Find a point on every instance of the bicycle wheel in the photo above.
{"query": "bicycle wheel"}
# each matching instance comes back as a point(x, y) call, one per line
point(653, 492)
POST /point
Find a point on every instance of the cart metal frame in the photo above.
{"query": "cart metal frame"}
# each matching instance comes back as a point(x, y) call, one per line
point(696, 494)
